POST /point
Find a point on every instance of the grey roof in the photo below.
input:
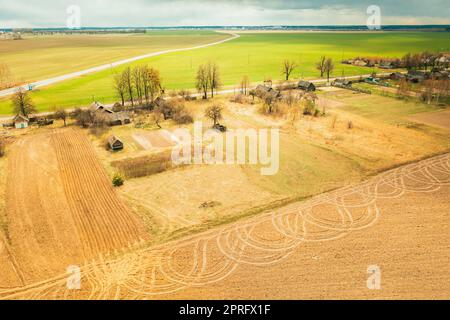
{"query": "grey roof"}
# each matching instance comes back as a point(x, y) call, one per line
point(113, 139)
point(21, 117)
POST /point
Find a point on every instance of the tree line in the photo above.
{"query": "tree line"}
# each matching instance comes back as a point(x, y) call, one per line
point(141, 84)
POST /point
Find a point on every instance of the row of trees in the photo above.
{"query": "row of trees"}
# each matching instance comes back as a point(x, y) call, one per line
point(422, 60)
point(141, 84)
point(324, 65)
point(208, 79)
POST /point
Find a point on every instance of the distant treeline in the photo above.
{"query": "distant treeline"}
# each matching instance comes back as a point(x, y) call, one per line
point(287, 27)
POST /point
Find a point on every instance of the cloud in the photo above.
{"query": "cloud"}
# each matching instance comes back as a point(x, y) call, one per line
point(109, 13)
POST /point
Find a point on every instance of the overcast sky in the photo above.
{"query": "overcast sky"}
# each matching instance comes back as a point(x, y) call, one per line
point(111, 13)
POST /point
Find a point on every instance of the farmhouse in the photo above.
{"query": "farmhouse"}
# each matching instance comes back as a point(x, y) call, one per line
point(111, 117)
point(119, 118)
point(306, 85)
point(387, 65)
point(101, 108)
point(21, 122)
point(115, 144)
point(416, 76)
point(342, 83)
point(262, 91)
point(397, 76)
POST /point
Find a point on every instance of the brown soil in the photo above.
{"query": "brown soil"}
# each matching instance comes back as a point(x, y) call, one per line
point(438, 119)
point(61, 207)
point(320, 248)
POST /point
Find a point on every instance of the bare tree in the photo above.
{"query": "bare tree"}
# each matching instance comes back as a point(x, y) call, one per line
point(2, 147)
point(427, 94)
point(152, 84)
point(213, 77)
point(203, 80)
point(245, 83)
point(120, 86)
point(214, 113)
point(61, 113)
point(329, 67)
point(288, 67)
point(320, 65)
point(22, 103)
point(404, 87)
point(128, 80)
point(137, 74)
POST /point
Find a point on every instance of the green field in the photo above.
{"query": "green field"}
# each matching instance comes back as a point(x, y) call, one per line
point(258, 55)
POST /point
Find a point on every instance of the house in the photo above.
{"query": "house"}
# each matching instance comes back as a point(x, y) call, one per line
point(21, 122)
point(118, 118)
point(97, 107)
point(306, 85)
point(115, 144)
point(359, 63)
point(397, 76)
point(387, 65)
point(264, 91)
point(342, 83)
point(416, 76)
point(111, 117)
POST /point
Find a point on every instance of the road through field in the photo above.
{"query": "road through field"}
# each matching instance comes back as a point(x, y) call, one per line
point(61, 206)
point(46, 82)
point(396, 224)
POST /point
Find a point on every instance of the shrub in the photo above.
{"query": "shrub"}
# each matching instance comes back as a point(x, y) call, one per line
point(2, 148)
point(144, 165)
point(182, 115)
point(117, 180)
point(239, 98)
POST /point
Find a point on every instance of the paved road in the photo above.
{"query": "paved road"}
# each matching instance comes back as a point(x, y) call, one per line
point(50, 81)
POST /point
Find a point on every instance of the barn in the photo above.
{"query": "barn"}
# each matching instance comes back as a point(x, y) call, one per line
point(21, 122)
point(115, 144)
point(306, 85)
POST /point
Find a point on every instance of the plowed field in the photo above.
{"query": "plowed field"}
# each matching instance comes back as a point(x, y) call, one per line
point(61, 207)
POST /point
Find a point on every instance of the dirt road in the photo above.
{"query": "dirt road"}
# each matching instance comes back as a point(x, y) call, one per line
point(398, 221)
point(61, 206)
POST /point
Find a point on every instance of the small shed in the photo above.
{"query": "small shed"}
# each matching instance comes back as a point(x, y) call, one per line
point(21, 122)
point(115, 143)
point(306, 85)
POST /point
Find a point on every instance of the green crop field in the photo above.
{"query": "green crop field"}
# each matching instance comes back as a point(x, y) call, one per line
point(258, 55)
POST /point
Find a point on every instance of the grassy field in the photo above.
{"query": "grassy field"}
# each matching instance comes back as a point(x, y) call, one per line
point(258, 55)
point(41, 57)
